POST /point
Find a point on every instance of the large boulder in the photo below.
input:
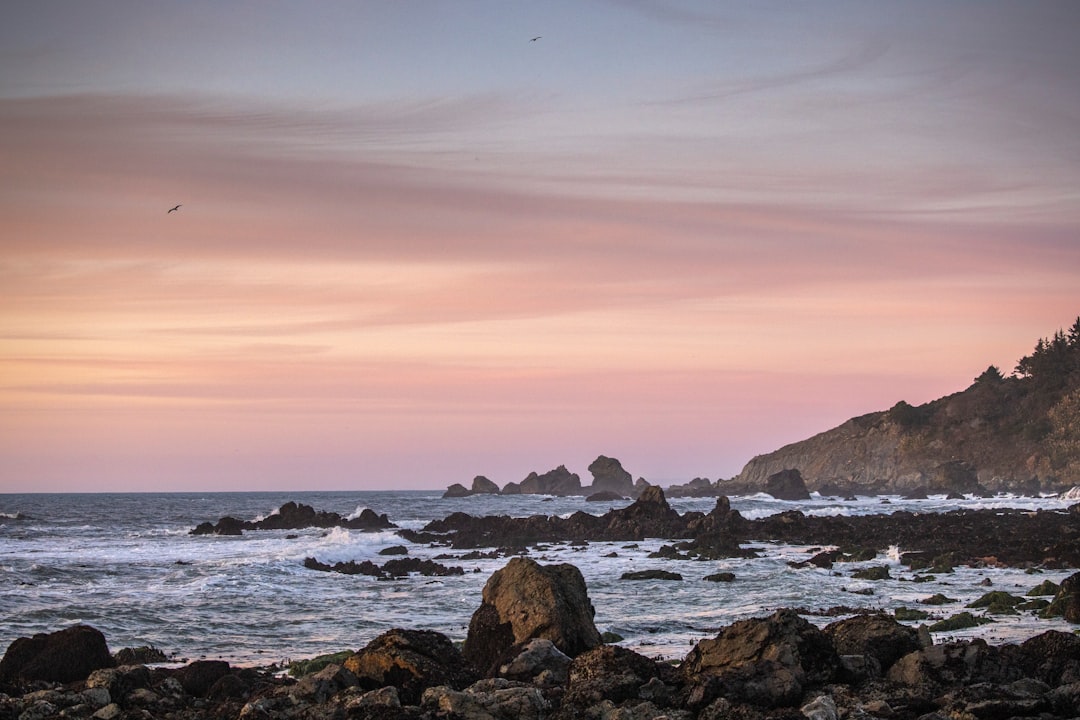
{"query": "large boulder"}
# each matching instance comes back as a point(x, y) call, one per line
point(943, 666)
point(559, 481)
point(526, 600)
point(614, 674)
point(609, 475)
point(763, 661)
point(787, 485)
point(64, 656)
point(411, 661)
point(879, 636)
point(1066, 602)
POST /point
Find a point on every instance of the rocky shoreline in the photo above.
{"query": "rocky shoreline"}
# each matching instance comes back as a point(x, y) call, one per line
point(533, 652)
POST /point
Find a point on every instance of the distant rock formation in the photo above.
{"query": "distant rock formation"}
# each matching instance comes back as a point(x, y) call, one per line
point(1002, 434)
point(609, 476)
point(698, 487)
point(559, 481)
point(480, 486)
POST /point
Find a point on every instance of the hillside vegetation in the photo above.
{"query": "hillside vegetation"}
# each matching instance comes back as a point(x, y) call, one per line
point(1018, 433)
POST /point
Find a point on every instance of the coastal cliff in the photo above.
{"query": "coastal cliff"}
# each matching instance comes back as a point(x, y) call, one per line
point(1019, 433)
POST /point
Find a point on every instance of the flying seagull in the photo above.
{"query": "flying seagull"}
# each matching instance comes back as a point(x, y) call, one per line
point(172, 209)
point(536, 38)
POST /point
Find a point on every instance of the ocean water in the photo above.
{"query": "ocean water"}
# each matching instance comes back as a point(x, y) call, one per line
point(126, 564)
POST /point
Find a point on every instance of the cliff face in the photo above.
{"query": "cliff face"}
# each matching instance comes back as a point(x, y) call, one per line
point(1018, 434)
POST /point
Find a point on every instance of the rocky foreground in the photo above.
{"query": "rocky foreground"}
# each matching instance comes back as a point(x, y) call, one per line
point(532, 652)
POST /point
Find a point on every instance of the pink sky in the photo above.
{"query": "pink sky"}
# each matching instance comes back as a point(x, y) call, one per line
point(415, 247)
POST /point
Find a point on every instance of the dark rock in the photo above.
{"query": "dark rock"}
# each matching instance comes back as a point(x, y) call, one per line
point(720, 577)
point(604, 496)
point(880, 572)
point(1052, 656)
point(609, 476)
point(198, 677)
point(878, 636)
point(536, 661)
point(787, 485)
point(941, 666)
point(482, 486)
point(768, 662)
point(526, 600)
point(611, 673)
point(1066, 602)
point(699, 487)
point(139, 656)
point(651, 575)
point(293, 516)
point(394, 550)
point(456, 490)
point(63, 656)
point(559, 481)
point(411, 661)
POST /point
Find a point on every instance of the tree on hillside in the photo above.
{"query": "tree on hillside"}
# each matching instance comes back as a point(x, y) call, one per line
point(1055, 363)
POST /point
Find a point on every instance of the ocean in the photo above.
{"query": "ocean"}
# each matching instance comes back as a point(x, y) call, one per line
point(127, 565)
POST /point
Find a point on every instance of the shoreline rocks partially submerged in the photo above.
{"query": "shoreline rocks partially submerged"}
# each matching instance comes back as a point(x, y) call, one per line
point(533, 652)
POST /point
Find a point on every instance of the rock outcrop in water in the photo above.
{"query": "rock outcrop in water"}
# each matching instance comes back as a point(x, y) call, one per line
point(293, 516)
point(963, 537)
point(1017, 434)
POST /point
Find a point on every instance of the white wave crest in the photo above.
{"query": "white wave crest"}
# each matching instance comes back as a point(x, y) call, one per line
point(356, 513)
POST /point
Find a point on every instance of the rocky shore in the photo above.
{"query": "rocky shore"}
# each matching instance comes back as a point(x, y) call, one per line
point(966, 537)
point(532, 652)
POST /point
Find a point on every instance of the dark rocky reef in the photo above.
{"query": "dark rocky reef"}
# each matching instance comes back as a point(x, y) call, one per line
point(649, 516)
point(963, 537)
point(391, 569)
point(293, 516)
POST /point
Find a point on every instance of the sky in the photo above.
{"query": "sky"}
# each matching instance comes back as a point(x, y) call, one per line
point(415, 244)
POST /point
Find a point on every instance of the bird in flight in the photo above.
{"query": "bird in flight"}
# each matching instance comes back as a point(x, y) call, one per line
point(536, 38)
point(172, 209)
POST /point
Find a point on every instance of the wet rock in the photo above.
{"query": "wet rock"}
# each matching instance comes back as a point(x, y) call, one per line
point(139, 656)
point(196, 678)
point(120, 681)
point(764, 661)
point(295, 516)
point(604, 496)
point(950, 664)
point(878, 636)
point(64, 656)
point(537, 661)
point(1052, 657)
point(411, 661)
point(494, 698)
point(612, 673)
point(651, 575)
point(787, 485)
point(1066, 602)
point(526, 600)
